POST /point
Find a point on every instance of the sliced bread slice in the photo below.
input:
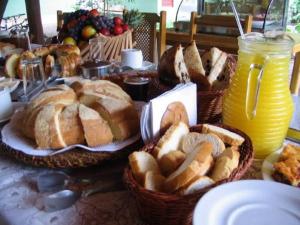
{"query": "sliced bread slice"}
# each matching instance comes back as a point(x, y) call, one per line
point(96, 129)
point(196, 162)
point(210, 58)
point(154, 181)
point(140, 163)
point(70, 125)
point(171, 140)
point(225, 135)
point(121, 116)
point(197, 184)
point(192, 139)
point(171, 161)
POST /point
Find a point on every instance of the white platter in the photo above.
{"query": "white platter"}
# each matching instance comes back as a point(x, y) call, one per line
point(249, 202)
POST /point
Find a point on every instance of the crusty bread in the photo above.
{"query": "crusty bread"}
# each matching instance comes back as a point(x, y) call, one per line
point(174, 113)
point(62, 50)
point(141, 163)
point(11, 64)
point(70, 125)
point(192, 139)
point(96, 130)
point(171, 161)
point(46, 129)
point(171, 140)
point(225, 135)
point(198, 183)
point(41, 52)
point(121, 116)
point(171, 68)
point(209, 59)
point(154, 181)
point(196, 163)
point(225, 164)
point(49, 64)
point(217, 68)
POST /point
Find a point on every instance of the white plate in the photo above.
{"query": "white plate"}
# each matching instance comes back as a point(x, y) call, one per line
point(267, 167)
point(145, 66)
point(249, 202)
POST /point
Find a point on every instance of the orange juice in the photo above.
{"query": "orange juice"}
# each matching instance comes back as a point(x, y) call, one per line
point(258, 100)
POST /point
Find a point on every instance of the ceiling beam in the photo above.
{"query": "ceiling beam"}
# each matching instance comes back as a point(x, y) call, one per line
point(35, 21)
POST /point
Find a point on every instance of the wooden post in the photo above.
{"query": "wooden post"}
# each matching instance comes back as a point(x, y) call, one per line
point(35, 21)
point(2, 8)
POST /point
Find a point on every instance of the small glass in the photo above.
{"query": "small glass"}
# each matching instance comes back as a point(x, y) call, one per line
point(137, 88)
point(33, 77)
point(96, 49)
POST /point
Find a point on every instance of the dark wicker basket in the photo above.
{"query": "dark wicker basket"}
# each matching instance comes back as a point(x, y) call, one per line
point(170, 209)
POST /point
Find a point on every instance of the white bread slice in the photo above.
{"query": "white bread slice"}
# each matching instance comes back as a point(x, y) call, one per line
point(171, 161)
point(70, 125)
point(154, 181)
point(171, 68)
point(121, 116)
point(193, 61)
point(217, 68)
point(140, 163)
point(210, 58)
point(89, 97)
point(225, 135)
point(197, 184)
point(192, 139)
point(96, 130)
point(11, 64)
point(197, 162)
point(171, 140)
point(232, 153)
point(46, 129)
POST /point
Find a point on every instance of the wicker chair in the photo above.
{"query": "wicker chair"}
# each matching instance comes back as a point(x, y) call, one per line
point(204, 30)
point(148, 39)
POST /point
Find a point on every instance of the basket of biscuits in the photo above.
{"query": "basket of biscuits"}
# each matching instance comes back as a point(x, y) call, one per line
point(212, 72)
point(169, 175)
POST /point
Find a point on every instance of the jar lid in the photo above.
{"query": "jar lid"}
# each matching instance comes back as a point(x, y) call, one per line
point(269, 42)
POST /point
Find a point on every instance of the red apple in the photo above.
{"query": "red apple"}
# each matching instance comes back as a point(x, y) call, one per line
point(105, 31)
point(83, 17)
point(125, 27)
point(118, 30)
point(94, 12)
point(88, 32)
point(118, 21)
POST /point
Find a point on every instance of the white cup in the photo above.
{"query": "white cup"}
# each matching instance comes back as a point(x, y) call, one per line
point(132, 57)
point(6, 108)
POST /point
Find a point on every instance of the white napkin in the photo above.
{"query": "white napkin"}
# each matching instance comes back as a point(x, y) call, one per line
point(152, 112)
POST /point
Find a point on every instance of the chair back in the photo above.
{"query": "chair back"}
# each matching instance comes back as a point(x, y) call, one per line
point(295, 78)
point(151, 42)
point(217, 31)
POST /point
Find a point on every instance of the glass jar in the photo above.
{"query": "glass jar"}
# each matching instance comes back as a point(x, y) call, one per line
point(258, 100)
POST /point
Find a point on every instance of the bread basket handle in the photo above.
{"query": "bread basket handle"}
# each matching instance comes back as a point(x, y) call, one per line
point(251, 111)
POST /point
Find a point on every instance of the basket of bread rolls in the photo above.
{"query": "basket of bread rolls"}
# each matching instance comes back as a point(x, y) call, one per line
point(169, 175)
point(212, 72)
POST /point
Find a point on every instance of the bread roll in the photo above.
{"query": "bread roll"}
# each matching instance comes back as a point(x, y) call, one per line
point(171, 140)
point(49, 64)
point(174, 113)
point(171, 68)
point(192, 139)
point(96, 129)
point(11, 65)
point(171, 161)
point(62, 50)
point(225, 135)
point(141, 163)
point(197, 162)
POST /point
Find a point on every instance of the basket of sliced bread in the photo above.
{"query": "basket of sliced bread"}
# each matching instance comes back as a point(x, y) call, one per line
point(169, 175)
point(212, 72)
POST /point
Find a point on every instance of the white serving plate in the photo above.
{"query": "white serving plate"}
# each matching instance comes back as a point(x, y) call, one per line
point(249, 202)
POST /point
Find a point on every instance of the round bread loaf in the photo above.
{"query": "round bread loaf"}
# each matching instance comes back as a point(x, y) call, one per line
point(58, 117)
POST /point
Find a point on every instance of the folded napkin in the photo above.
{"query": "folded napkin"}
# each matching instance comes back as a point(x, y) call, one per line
point(153, 112)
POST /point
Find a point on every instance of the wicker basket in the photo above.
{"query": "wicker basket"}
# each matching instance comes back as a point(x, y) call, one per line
point(113, 46)
point(170, 209)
